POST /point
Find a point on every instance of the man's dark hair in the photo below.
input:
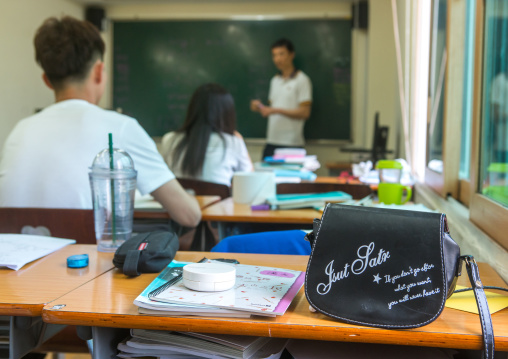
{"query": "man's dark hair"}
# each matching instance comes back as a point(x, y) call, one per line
point(283, 43)
point(66, 49)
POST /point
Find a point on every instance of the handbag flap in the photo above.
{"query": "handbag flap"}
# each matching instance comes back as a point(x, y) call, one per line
point(378, 267)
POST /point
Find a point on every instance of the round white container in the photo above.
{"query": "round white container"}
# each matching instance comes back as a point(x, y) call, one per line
point(209, 277)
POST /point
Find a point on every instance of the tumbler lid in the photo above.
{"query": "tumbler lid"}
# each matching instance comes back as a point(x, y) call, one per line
point(121, 160)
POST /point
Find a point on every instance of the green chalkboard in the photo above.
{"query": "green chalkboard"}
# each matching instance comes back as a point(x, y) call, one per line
point(158, 65)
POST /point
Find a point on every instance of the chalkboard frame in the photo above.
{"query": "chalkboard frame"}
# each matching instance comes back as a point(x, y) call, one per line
point(346, 135)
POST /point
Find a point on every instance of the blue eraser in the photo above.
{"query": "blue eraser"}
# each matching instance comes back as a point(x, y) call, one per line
point(77, 261)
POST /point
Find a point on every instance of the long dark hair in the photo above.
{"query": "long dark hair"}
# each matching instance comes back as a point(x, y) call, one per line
point(211, 109)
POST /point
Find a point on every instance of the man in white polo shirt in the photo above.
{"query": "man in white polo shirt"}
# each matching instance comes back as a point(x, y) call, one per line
point(290, 99)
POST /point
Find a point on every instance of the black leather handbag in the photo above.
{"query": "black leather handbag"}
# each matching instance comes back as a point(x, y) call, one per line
point(387, 268)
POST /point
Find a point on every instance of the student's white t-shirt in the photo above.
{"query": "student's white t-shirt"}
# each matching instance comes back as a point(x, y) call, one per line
point(47, 157)
point(222, 158)
point(288, 93)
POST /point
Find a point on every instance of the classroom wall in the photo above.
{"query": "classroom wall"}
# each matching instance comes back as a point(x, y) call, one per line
point(373, 72)
point(375, 86)
point(21, 86)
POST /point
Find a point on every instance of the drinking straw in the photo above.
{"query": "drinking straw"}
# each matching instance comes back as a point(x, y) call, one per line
point(112, 167)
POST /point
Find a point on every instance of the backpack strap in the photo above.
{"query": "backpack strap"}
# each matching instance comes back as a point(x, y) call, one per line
point(483, 307)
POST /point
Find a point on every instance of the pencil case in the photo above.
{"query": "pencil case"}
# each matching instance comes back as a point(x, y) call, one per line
point(147, 252)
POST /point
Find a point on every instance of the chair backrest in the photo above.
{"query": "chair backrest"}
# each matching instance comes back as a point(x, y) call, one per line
point(75, 224)
point(358, 191)
point(203, 188)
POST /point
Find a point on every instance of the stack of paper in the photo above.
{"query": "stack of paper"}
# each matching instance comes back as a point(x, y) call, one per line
point(20, 249)
point(265, 291)
point(304, 200)
point(164, 344)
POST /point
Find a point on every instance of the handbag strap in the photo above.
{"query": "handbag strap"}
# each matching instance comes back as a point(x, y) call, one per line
point(483, 306)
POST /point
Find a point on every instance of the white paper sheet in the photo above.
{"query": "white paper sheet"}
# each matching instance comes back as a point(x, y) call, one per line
point(20, 249)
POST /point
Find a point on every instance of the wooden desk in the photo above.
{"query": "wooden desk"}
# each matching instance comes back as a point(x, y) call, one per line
point(25, 292)
point(227, 213)
point(107, 301)
point(153, 209)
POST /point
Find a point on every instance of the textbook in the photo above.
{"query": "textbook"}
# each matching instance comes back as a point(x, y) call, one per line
point(258, 290)
point(167, 344)
point(303, 200)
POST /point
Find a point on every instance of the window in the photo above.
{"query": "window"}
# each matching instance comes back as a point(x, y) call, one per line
point(446, 88)
point(437, 85)
point(467, 96)
point(489, 203)
point(494, 131)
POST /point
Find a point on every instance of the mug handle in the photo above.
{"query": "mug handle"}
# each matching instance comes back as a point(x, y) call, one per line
point(409, 193)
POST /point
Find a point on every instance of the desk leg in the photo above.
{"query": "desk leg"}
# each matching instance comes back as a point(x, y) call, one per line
point(27, 333)
point(222, 230)
point(105, 341)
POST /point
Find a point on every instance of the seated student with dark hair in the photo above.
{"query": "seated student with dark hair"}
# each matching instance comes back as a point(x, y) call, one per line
point(207, 147)
point(46, 158)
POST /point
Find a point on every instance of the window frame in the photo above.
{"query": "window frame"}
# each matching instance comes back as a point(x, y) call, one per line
point(447, 182)
point(488, 215)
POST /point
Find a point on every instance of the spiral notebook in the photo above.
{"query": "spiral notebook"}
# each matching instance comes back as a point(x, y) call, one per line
point(258, 290)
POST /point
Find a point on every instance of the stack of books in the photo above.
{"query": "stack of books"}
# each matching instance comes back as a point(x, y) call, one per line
point(258, 290)
point(290, 159)
point(165, 344)
point(307, 200)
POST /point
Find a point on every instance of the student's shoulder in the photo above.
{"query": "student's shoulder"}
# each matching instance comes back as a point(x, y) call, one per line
point(275, 78)
point(237, 142)
point(116, 119)
point(114, 115)
point(302, 76)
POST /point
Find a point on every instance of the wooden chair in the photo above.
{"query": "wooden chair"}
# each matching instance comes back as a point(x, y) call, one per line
point(77, 224)
point(203, 237)
point(355, 190)
point(203, 188)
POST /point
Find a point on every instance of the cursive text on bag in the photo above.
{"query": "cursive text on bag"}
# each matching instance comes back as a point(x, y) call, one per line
point(358, 266)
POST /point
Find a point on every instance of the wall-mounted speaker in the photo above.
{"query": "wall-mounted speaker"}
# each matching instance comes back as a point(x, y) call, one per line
point(360, 15)
point(97, 16)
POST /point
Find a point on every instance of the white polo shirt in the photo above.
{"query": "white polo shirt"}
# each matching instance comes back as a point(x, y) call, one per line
point(46, 158)
point(288, 93)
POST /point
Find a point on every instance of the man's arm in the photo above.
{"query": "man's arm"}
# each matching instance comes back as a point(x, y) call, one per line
point(300, 113)
point(181, 206)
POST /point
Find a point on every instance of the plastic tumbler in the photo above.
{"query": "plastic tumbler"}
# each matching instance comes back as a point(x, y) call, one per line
point(113, 186)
